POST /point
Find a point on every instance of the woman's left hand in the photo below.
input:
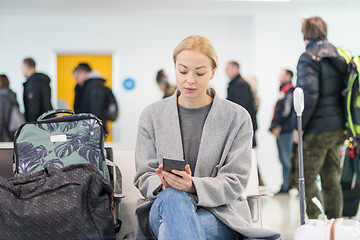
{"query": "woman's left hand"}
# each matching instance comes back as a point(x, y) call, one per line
point(183, 183)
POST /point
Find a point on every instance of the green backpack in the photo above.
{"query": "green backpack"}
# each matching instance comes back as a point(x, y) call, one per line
point(350, 178)
point(56, 142)
point(352, 97)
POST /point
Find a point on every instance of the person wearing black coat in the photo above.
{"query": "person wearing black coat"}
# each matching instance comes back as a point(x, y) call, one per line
point(321, 73)
point(7, 102)
point(37, 91)
point(90, 94)
point(281, 125)
point(239, 92)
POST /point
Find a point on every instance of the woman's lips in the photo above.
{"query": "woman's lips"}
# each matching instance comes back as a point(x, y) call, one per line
point(190, 90)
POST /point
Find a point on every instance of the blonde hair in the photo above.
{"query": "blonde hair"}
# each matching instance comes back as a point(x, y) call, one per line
point(199, 43)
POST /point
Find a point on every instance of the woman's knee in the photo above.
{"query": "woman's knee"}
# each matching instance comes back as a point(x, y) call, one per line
point(172, 194)
point(174, 197)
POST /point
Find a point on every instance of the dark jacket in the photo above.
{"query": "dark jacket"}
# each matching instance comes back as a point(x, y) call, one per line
point(239, 92)
point(7, 100)
point(169, 91)
point(321, 73)
point(37, 96)
point(284, 109)
point(91, 97)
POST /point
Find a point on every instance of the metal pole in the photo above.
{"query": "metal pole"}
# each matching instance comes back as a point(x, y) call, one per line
point(299, 106)
point(301, 172)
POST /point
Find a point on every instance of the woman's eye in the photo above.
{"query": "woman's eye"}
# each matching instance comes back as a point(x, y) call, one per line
point(183, 73)
point(200, 74)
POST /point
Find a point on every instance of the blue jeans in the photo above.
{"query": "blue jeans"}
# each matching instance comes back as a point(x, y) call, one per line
point(285, 143)
point(174, 215)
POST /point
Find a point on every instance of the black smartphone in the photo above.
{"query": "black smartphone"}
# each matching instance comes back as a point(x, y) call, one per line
point(173, 164)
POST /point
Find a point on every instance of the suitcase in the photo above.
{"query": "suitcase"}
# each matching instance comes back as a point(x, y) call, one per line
point(74, 202)
point(60, 141)
point(333, 229)
point(329, 229)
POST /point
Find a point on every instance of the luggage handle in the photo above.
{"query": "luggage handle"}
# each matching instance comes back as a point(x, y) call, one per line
point(112, 164)
point(54, 112)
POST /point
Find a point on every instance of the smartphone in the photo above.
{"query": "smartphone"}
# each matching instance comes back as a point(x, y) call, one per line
point(173, 164)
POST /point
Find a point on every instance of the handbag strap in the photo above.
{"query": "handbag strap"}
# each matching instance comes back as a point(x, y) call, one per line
point(51, 113)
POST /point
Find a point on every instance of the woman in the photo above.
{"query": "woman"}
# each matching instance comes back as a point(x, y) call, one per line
point(214, 137)
point(7, 101)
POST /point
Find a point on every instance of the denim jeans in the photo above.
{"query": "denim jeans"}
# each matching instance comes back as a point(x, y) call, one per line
point(285, 143)
point(174, 215)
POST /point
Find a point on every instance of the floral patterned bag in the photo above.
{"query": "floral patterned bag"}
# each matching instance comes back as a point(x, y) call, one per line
point(57, 142)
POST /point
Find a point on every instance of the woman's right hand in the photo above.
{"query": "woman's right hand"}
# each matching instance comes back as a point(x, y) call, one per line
point(158, 172)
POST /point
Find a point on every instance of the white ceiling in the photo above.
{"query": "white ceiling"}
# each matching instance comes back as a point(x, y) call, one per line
point(167, 6)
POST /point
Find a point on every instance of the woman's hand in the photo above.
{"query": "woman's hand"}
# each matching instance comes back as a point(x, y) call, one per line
point(159, 172)
point(183, 183)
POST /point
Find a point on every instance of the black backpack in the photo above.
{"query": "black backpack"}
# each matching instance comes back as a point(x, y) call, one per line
point(111, 105)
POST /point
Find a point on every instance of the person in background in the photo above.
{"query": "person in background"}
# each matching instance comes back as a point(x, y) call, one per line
point(90, 96)
point(253, 82)
point(239, 92)
point(321, 74)
point(7, 101)
point(37, 91)
point(281, 125)
point(164, 85)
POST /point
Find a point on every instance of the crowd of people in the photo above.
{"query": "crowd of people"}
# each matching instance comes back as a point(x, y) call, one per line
point(214, 136)
point(91, 96)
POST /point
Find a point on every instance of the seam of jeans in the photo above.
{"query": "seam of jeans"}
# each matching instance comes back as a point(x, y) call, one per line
point(160, 209)
point(201, 230)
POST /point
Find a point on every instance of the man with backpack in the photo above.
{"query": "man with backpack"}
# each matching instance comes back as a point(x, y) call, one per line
point(92, 96)
point(321, 73)
point(281, 125)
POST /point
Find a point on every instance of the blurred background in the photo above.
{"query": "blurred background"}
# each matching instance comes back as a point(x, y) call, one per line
point(126, 39)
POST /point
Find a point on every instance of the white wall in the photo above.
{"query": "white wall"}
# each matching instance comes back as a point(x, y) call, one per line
point(263, 42)
point(141, 46)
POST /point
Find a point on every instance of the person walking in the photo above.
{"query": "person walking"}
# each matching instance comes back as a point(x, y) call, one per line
point(164, 85)
point(37, 91)
point(7, 102)
point(90, 94)
point(239, 92)
point(281, 125)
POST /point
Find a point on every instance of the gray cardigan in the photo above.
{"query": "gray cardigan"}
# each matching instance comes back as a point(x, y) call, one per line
point(222, 169)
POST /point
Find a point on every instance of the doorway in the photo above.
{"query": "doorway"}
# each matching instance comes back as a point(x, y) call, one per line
point(66, 83)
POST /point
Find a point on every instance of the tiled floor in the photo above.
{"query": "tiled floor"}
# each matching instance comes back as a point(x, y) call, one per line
point(281, 213)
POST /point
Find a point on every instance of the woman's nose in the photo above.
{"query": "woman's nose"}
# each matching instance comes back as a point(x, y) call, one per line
point(190, 79)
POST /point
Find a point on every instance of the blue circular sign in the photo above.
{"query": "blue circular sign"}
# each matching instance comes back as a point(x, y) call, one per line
point(129, 84)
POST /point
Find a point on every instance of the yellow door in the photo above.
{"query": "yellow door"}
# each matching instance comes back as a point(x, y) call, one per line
point(66, 83)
